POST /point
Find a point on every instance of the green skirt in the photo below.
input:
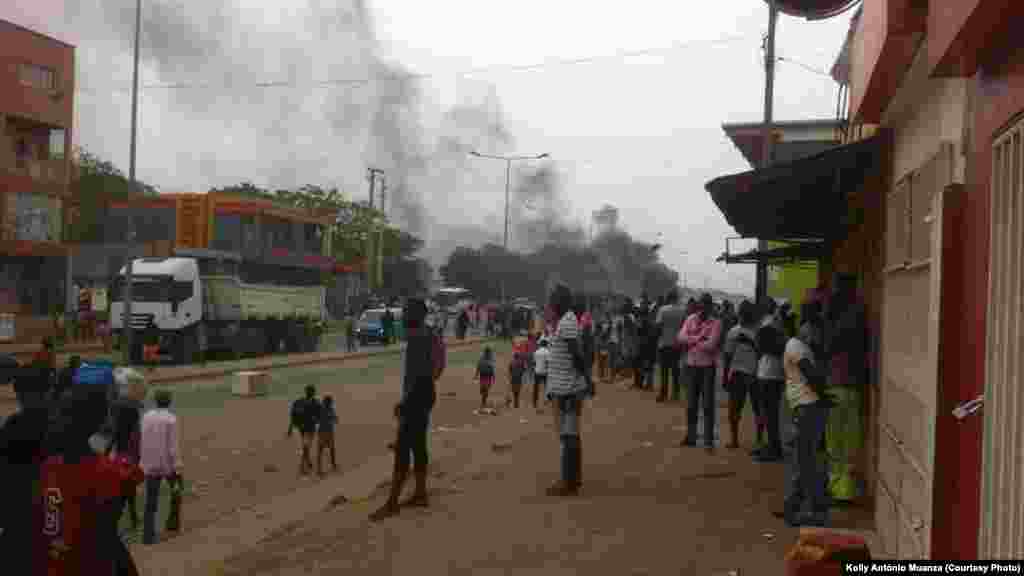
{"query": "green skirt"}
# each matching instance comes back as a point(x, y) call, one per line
point(844, 438)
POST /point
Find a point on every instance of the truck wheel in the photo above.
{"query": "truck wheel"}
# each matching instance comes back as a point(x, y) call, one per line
point(185, 350)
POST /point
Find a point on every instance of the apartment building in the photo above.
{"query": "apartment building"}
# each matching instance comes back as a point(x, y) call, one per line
point(37, 80)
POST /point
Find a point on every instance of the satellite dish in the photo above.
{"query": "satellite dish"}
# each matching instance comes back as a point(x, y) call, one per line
point(814, 9)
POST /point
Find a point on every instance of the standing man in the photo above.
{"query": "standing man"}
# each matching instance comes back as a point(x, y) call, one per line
point(669, 321)
point(701, 334)
point(160, 460)
point(771, 342)
point(566, 389)
point(422, 366)
point(807, 501)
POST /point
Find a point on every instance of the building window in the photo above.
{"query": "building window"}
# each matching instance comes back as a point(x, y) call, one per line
point(56, 144)
point(34, 217)
point(36, 76)
point(227, 232)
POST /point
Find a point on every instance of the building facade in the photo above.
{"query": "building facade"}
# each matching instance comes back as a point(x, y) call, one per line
point(944, 81)
point(276, 244)
point(37, 81)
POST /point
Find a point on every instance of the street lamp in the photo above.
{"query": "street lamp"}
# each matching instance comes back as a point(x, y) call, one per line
point(508, 178)
point(126, 324)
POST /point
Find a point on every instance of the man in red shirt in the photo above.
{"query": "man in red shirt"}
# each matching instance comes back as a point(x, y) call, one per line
point(79, 500)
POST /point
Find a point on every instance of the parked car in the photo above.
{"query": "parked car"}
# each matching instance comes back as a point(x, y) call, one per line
point(370, 327)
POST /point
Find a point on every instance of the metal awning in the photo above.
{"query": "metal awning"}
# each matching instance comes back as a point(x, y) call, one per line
point(801, 200)
point(794, 253)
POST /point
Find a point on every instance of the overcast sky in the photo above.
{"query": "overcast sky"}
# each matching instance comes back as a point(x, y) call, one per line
point(640, 132)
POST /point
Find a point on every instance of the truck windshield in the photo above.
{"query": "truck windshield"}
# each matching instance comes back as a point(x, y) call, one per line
point(145, 289)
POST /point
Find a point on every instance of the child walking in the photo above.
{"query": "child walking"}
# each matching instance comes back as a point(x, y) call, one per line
point(485, 370)
point(325, 435)
point(516, 371)
point(305, 414)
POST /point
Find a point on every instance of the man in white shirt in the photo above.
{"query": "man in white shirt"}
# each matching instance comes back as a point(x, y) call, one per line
point(540, 369)
point(160, 460)
point(770, 382)
point(807, 502)
point(669, 321)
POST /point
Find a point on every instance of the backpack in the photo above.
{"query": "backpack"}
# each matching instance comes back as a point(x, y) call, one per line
point(485, 368)
point(770, 340)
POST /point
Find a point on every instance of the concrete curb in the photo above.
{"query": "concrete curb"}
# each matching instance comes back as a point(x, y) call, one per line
point(203, 551)
point(185, 373)
point(189, 373)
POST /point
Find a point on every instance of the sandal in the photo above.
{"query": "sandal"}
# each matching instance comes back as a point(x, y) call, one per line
point(416, 501)
point(384, 512)
point(560, 490)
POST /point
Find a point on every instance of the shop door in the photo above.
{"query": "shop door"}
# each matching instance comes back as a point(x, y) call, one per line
point(1002, 488)
point(958, 457)
point(910, 352)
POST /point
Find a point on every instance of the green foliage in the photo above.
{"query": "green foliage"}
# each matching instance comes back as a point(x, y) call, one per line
point(95, 183)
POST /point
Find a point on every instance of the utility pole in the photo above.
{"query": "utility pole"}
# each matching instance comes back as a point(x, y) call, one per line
point(380, 233)
point(372, 174)
point(508, 179)
point(126, 323)
point(761, 288)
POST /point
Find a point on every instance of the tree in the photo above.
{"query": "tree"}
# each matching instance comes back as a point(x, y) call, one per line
point(94, 185)
point(616, 265)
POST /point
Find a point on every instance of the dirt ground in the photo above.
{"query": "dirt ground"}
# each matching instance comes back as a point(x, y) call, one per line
point(236, 450)
point(648, 507)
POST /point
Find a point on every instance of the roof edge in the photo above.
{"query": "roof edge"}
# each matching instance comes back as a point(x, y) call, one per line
point(813, 123)
point(37, 33)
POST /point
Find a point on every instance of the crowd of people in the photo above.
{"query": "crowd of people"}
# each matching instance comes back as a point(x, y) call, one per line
point(756, 352)
point(74, 454)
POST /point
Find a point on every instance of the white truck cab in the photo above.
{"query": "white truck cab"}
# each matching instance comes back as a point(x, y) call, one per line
point(166, 293)
point(195, 301)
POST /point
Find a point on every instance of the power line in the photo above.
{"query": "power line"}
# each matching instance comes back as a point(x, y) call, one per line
point(618, 55)
point(806, 67)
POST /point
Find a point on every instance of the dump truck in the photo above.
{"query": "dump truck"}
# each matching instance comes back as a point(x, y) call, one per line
point(187, 312)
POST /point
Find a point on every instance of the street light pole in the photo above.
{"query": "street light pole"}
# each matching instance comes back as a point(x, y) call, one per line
point(508, 183)
point(126, 323)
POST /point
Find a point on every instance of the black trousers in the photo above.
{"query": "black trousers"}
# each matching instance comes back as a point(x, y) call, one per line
point(152, 506)
point(412, 440)
point(668, 362)
point(701, 394)
point(540, 382)
point(770, 396)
